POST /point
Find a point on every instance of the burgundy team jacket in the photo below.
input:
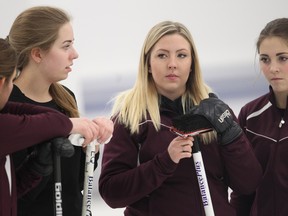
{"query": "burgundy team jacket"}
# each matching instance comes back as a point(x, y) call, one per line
point(138, 173)
point(267, 129)
point(21, 126)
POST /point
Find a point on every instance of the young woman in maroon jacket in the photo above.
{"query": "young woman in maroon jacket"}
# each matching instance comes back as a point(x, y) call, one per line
point(264, 120)
point(24, 125)
point(148, 169)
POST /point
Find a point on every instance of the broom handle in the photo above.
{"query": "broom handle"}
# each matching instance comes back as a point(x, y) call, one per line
point(202, 179)
point(77, 140)
point(57, 185)
point(88, 180)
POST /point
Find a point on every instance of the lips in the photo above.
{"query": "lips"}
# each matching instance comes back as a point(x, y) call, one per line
point(172, 75)
point(68, 69)
point(276, 79)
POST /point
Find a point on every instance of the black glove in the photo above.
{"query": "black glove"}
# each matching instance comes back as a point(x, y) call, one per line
point(63, 147)
point(40, 160)
point(219, 115)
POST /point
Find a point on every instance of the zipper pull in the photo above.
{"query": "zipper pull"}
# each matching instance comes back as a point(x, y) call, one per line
point(281, 123)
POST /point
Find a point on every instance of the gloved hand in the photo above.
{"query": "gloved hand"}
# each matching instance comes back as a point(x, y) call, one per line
point(63, 147)
point(40, 160)
point(219, 115)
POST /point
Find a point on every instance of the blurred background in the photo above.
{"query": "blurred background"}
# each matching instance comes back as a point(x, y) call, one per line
point(109, 36)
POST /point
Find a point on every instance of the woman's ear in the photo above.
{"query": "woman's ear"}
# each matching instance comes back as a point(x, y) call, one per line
point(149, 69)
point(36, 54)
point(2, 82)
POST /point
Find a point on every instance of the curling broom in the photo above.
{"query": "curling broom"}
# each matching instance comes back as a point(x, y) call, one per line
point(194, 125)
point(56, 142)
point(77, 139)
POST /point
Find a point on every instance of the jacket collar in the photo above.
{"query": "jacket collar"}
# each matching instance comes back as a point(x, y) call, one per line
point(174, 106)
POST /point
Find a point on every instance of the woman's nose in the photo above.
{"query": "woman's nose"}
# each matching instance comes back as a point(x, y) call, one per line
point(74, 54)
point(172, 63)
point(274, 68)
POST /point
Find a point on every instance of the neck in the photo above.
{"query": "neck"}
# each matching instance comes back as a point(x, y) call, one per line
point(33, 89)
point(281, 100)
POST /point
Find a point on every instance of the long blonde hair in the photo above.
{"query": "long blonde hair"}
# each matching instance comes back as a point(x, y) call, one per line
point(131, 106)
point(38, 27)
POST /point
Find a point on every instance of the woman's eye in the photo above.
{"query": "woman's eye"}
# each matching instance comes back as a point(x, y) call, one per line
point(264, 59)
point(161, 55)
point(182, 55)
point(67, 45)
point(283, 58)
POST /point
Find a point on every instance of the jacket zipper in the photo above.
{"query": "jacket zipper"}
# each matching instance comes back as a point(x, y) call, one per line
point(281, 122)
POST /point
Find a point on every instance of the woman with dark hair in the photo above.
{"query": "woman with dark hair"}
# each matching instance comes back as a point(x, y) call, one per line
point(264, 121)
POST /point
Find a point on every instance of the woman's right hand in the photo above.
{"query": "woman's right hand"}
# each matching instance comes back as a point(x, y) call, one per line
point(106, 128)
point(86, 127)
point(180, 147)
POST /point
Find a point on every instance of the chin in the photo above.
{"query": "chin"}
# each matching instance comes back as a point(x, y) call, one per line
point(64, 77)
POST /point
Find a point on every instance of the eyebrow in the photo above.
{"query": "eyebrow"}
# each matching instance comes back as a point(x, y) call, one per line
point(68, 41)
point(281, 53)
point(277, 54)
point(182, 49)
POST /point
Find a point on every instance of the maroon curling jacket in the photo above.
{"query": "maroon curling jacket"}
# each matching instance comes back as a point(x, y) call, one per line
point(21, 126)
point(260, 119)
point(138, 173)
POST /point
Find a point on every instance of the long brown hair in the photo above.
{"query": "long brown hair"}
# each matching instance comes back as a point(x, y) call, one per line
point(39, 27)
point(8, 59)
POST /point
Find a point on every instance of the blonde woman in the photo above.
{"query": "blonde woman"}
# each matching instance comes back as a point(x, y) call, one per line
point(148, 169)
